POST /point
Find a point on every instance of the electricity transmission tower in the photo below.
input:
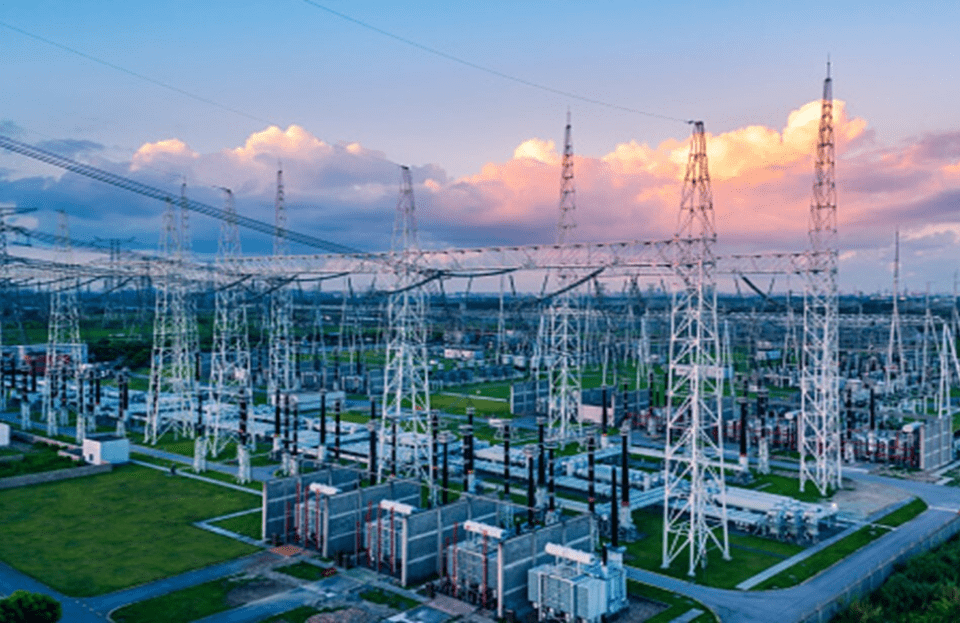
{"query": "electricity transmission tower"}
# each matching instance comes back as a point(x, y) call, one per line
point(694, 509)
point(895, 344)
point(564, 330)
point(406, 388)
point(172, 391)
point(280, 376)
point(63, 341)
point(819, 425)
point(230, 359)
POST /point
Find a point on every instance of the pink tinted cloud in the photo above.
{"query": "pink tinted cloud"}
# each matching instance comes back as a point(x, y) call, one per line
point(762, 179)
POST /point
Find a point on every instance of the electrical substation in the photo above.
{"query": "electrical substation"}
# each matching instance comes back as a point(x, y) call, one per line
point(429, 421)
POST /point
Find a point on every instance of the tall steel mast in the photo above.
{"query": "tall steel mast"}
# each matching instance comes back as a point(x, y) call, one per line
point(819, 426)
point(694, 505)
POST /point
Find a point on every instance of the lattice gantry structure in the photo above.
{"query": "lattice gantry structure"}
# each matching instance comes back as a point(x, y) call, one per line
point(694, 509)
point(63, 356)
point(171, 397)
point(406, 389)
point(230, 359)
point(280, 376)
point(564, 327)
point(819, 426)
point(895, 369)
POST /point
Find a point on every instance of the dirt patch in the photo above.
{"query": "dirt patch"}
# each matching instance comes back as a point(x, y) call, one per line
point(252, 590)
point(640, 609)
point(347, 615)
point(861, 499)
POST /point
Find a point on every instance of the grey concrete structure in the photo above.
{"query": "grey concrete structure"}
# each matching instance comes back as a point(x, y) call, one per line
point(280, 497)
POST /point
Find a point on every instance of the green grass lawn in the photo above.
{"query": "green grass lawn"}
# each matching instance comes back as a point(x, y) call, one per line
point(825, 558)
point(303, 571)
point(813, 565)
point(39, 458)
point(904, 514)
point(491, 390)
point(388, 598)
point(749, 554)
point(458, 405)
point(181, 606)
point(248, 525)
point(677, 605)
point(784, 485)
point(103, 533)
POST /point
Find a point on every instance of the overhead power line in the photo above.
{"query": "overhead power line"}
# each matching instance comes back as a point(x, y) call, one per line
point(490, 70)
point(139, 76)
point(161, 195)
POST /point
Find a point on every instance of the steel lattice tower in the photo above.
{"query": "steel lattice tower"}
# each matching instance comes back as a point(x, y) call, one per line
point(230, 360)
point(694, 509)
point(895, 344)
point(281, 373)
point(171, 398)
point(63, 340)
point(819, 425)
point(406, 388)
point(563, 418)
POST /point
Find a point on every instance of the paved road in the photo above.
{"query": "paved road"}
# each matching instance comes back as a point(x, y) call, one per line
point(111, 601)
point(799, 602)
point(260, 474)
point(96, 609)
point(74, 610)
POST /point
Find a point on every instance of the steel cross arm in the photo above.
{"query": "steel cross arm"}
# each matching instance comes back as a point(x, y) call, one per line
point(617, 258)
point(630, 257)
point(153, 267)
point(776, 263)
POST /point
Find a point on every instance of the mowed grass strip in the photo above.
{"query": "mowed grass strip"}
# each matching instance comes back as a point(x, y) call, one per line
point(103, 533)
point(677, 605)
point(303, 571)
point(826, 558)
point(249, 525)
point(180, 606)
point(904, 514)
point(37, 459)
point(809, 567)
point(749, 554)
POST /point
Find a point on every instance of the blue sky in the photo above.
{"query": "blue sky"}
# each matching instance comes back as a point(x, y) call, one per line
point(733, 65)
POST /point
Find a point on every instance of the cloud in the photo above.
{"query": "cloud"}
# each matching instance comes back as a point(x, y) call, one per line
point(169, 152)
point(347, 192)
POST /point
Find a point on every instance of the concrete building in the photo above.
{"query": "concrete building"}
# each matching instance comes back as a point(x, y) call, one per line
point(104, 449)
